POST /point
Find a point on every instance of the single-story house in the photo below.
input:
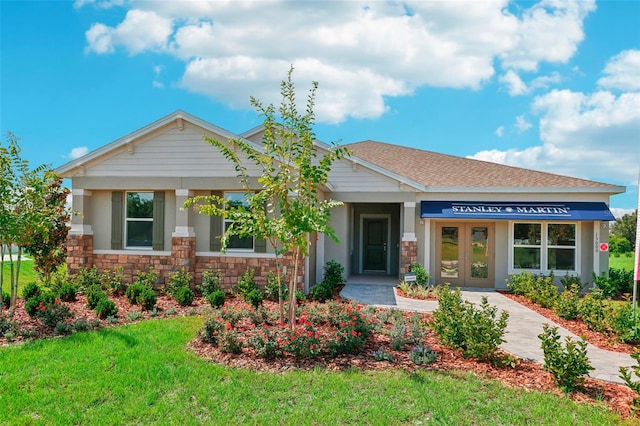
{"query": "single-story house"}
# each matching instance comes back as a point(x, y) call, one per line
point(469, 222)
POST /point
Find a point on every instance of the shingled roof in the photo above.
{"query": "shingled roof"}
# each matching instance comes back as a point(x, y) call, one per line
point(441, 170)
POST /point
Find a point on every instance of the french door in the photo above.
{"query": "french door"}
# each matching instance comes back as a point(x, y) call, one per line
point(465, 254)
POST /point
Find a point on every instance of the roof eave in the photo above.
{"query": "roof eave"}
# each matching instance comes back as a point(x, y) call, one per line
point(612, 190)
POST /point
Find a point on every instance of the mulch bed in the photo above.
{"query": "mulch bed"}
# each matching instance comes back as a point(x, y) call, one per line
point(524, 375)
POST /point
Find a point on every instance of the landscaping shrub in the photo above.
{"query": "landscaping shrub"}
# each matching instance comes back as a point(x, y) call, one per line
point(608, 287)
point(621, 280)
point(634, 385)
point(37, 302)
point(352, 332)
point(94, 294)
point(477, 332)
point(211, 282)
point(147, 279)
point(178, 280)
point(572, 283)
point(271, 290)
point(382, 355)
point(544, 292)
point(86, 278)
point(6, 300)
point(106, 308)
point(321, 292)
point(591, 310)
point(133, 292)
point(568, 364)
point(147, 299)
point(265, 344)
point(212, 330)
point(30, 290)
point(54, 313)
point(397, 335)
point(619, 318)
point(246, 284)
point(216, 298)
point(422, 276)
point(423, 355)
point(184, 296)
point(62, 328)
point(521, 284)
point(566, 305)
point(229, 342)
point(412, 290)
point(67, 292)
point(113, 281)
point(333, 274)
point(254, 298)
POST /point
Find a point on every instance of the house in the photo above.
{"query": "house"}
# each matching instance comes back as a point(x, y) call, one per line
point(469, 222)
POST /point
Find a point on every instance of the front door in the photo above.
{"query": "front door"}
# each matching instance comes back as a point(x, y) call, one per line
point(464, 254)
point(375, 238)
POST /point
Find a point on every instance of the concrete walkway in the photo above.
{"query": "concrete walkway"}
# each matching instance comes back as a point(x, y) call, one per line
point(522, 331)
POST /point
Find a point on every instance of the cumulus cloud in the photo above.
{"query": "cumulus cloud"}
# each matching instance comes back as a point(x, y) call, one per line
point(522, 124)
point(622, 72)
point(361, 52)
point(499, 131)
point(515, 86)
point(78, 152)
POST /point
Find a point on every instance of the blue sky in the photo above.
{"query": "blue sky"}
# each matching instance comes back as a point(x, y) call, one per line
point(552, 85)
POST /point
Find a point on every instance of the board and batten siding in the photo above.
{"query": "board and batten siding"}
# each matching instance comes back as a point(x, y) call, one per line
point(168, 152)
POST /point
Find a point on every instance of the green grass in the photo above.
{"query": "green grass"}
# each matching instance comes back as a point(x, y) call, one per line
point(27, 275)
point(142, 374)
point(621, 262)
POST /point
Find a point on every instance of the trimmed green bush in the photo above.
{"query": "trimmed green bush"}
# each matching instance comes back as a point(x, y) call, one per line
point(619, 318)
point(321, 292)
point(6, 300)
point(147, 299)
point(87, 277)
point(333, 274)
point(271, 290)
point(621, 280)
point(133, 292)
point(106, 308)
point(211, 281)
point(566, 305)
point(179, 279)
point(67, 292)
point(184, 296)
point(422, 276)
point(30, 290)
point(591, 310)
point(634, 385)
point(216, 298)
point(94, 294)
point(568, 364)
point(246, 284)
point(254, 298)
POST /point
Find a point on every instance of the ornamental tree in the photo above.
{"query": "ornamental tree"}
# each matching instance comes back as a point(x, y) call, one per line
point(288, 208)
point(31, 211)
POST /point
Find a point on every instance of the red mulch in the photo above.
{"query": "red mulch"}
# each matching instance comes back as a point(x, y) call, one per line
point(525, 375)
point(577, 327)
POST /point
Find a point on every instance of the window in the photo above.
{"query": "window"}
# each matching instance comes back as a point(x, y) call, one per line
point(544, 246)
point(235, 200)
point(139, 220)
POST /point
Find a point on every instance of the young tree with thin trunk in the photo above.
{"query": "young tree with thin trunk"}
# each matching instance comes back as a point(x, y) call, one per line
point(288, 208)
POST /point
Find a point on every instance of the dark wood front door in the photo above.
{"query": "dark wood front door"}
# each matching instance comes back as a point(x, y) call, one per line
point(375, 235)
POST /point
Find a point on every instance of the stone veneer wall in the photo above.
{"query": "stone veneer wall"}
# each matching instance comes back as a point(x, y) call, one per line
point(408, 255)
point(183, 256)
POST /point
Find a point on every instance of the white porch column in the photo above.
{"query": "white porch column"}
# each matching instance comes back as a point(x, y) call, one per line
point(81, 205)
point(409, 221)
point(426, 259)
point(184, 217)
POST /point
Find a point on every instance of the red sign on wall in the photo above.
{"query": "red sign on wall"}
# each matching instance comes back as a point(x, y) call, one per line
point(604, 247)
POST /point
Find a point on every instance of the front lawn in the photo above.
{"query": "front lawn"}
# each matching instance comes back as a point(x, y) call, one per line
point(621, 262)
point(27, 275)
point(143, 374)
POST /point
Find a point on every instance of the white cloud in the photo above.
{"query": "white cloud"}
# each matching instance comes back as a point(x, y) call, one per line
point(499, 131)
point(99, 4)
point(522, 124)
point(361, 52)
point(622, 72)
point(78, 152)
point(618, 213)
point(513, 82)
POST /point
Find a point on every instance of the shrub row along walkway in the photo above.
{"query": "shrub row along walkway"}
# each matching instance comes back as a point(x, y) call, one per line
point(523, 327)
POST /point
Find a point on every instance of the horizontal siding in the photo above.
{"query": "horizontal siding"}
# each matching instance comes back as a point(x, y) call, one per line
point(169, 153)
point(345, 179)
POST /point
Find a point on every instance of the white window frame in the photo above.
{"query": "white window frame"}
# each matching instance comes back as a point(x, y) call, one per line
point(544, 248)
point(227, 221)
point(127, 219)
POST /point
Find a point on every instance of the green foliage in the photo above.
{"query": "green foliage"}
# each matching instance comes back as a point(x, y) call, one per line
point(333, 273)
point(184, 296)
point(211, 282)
point(246, 284)
point(254, 298)
point(265, 344)
point(106, 308)
point(147, 299)
point(634, 385)
point(147, 279)
point(6, 300)
point(273, 289)
point(415, 291)
point(382, 355)
point(216, 298)
point(113, 281)
point(30, 290)
point(67, 292)
point(619, 245)
point(179, 279)
point(539, 289)
point(212, 330)
point(592, 311)
point(572, 283)
point(566, 305)
point(397, 335)
point(625, 227)
point(607, 286)
point(568, 364)
point(86, 278)
point(229, 342)
point(422, 276)
point(321, 292)
point(421, 355)
point(133, 292)
point(94, 294)
point(619, 318)
point(477, 332)
point(621, 280)
point(352, 332)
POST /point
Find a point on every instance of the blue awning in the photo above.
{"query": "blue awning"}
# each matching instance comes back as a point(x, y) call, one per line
point(574, 211)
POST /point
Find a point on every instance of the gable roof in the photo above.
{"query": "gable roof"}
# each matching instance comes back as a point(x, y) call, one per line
point(435, 170)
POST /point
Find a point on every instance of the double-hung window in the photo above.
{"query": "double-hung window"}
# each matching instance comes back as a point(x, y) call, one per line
point(544, 247)
point(237, 199)
point(139, 220)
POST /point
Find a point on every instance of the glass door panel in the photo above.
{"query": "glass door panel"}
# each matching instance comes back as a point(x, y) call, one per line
point(450, 255)
point(479, 252)
point(464, 254)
